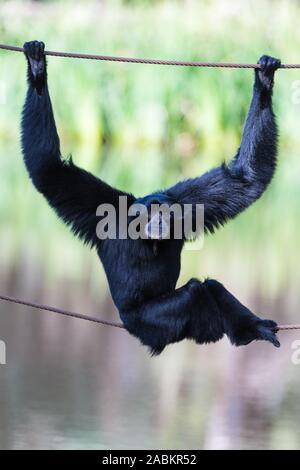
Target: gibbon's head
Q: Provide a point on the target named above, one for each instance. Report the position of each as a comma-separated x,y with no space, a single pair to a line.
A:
157,213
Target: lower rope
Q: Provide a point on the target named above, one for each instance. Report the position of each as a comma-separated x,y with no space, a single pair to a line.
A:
14,300
68,313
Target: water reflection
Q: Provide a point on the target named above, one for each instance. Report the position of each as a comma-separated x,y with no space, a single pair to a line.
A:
70,384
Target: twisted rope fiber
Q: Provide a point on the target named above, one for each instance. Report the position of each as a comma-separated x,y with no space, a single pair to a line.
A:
68,313
60,311
136,61
183,63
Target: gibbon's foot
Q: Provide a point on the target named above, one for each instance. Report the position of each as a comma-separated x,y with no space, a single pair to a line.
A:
240,324
265,74
258,330
34,52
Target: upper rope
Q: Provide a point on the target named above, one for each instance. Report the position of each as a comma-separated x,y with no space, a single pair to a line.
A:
183,63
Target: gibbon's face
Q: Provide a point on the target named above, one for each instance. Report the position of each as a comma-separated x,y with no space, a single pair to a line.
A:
155,216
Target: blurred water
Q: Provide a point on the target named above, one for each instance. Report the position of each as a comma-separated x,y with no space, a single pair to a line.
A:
70,384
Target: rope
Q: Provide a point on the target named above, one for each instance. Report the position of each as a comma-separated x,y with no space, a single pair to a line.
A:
60,311
184,63
287,327
94,319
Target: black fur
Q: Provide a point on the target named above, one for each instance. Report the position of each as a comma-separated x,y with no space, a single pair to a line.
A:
142,279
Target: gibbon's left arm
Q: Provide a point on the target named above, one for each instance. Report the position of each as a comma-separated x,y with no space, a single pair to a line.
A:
226,191
74,193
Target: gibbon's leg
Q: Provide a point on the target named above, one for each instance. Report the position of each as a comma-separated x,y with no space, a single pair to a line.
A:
203,312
